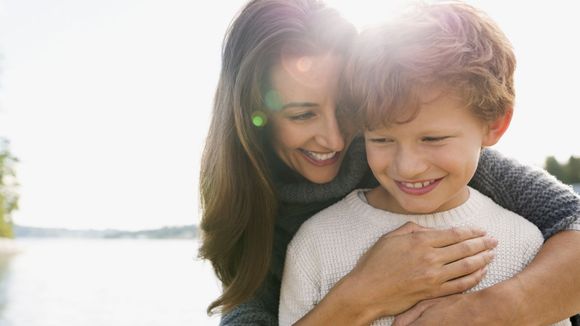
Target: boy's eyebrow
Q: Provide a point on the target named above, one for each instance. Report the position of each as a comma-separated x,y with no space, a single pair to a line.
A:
299,104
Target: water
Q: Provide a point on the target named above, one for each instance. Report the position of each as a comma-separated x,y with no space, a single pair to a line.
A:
106,282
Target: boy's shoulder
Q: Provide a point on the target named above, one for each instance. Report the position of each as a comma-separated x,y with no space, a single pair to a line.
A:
336,218
339,213
496,217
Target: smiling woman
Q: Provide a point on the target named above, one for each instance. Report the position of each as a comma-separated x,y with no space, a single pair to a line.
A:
306,135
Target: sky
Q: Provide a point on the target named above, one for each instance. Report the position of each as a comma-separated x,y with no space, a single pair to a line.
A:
107,102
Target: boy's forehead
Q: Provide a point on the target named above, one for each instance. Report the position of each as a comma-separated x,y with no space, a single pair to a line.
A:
429,93
425,96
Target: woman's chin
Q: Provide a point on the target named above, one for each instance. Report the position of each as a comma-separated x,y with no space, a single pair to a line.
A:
321,178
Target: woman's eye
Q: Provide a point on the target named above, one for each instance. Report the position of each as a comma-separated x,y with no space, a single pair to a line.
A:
302,116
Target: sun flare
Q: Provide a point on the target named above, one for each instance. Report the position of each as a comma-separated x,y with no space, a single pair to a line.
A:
364,13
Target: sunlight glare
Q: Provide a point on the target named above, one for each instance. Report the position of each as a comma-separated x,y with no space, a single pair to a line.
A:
364,13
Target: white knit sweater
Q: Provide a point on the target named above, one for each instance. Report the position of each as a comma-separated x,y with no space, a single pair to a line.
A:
329,244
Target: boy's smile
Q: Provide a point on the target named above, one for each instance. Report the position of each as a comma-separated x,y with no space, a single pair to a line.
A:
424,165
418,187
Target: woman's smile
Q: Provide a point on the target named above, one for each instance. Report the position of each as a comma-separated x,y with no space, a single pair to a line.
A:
321,159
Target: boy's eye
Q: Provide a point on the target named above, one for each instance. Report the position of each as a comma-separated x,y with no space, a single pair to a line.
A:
380,140
434,139
301,116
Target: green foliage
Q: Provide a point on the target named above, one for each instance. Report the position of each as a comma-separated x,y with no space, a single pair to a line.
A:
554,168
568,173
573,169
8,186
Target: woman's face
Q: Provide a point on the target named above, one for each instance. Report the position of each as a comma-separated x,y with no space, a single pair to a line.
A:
306,134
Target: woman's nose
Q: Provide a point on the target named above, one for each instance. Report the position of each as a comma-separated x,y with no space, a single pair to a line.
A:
330,135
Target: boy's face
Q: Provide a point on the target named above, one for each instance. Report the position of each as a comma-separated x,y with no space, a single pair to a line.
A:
425,164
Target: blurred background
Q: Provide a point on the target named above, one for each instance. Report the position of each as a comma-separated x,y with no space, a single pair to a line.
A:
104,107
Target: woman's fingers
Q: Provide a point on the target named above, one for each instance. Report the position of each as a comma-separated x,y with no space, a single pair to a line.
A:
420,263
406,228
460,284
409,316
467,265
467,248
447,237
440,238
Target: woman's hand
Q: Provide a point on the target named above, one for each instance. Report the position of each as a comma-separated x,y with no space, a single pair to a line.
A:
545,292
414,263
403,267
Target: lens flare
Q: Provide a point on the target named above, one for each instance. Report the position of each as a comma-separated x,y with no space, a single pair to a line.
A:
304,64
259,119
273,100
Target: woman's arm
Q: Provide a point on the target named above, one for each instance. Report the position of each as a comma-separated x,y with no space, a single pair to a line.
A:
261,310
547,291
405,266
355,299
549,288
252,312
527,191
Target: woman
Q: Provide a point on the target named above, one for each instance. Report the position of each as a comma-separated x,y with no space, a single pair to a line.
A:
278,151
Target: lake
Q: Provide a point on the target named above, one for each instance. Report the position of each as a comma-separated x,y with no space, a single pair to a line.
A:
106,282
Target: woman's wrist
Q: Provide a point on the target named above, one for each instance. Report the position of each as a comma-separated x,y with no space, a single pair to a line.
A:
343,305
503,303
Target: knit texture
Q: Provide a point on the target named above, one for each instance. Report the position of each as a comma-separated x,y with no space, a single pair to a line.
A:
528,191
574,226
553,207
328,246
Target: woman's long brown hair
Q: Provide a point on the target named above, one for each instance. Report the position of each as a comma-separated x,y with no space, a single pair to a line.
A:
238,199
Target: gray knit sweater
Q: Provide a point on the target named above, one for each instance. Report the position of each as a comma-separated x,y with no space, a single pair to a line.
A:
527,191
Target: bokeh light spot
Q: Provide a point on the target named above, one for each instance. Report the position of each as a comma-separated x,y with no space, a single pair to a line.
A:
259,119
273,100
304,64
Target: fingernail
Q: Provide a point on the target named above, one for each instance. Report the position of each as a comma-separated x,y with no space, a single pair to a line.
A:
492,241
490,254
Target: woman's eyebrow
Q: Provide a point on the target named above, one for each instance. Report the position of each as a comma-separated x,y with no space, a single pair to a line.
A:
299,104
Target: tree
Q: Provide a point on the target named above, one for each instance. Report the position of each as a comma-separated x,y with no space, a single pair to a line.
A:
555,169
573,170
568,173
8,187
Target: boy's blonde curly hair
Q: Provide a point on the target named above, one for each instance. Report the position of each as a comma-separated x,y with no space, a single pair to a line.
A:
448,45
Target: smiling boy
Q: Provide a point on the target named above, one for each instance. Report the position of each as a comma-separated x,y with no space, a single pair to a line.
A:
431,90
425,164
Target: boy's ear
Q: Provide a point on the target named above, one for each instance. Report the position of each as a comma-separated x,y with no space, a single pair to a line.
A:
497,128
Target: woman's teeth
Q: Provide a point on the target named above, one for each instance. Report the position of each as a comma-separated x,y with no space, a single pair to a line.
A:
321,157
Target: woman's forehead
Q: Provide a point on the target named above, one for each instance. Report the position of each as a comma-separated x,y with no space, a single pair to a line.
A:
311,70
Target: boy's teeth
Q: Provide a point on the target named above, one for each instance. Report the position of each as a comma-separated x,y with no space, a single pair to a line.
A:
321,157
417,185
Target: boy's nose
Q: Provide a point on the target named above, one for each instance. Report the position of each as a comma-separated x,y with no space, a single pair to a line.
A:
410,164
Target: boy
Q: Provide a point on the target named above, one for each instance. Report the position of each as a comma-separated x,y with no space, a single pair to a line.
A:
431,90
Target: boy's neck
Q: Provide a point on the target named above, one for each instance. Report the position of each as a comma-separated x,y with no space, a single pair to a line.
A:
380,198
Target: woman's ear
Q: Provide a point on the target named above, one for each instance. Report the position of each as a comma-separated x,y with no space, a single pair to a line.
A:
497,128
